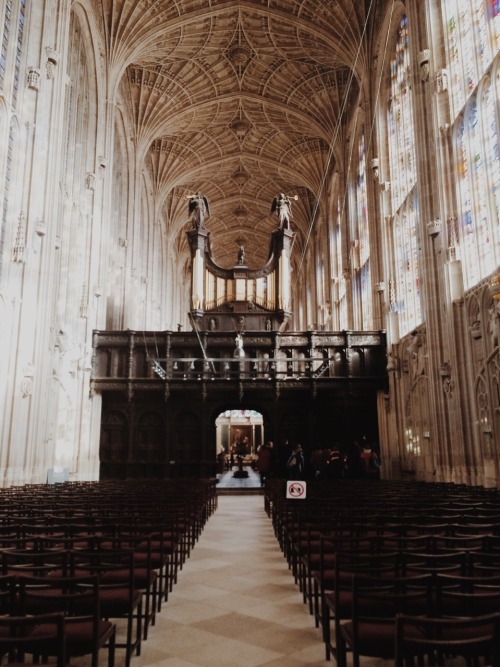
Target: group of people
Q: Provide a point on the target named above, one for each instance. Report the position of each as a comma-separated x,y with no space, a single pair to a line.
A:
360,460
269,465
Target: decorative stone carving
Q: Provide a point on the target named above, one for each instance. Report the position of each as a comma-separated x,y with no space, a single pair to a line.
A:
423,58
102,165
448,386
417,354
494,323
19,247
33,78
84,302
375,169
52,61
445,369
392,363
27,381
40,227
475,330
441,81
90,181
64,370
434,228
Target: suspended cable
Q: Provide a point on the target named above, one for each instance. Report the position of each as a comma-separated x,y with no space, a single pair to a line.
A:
379,86
344,198
203,351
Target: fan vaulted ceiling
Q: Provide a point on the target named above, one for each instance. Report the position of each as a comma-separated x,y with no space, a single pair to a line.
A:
241,101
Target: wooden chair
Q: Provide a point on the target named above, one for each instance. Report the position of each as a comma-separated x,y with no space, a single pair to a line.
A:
118,595
78,599
40,635
337,603
34,562
375,604
7,594
145,577
323,579
432,640
466,596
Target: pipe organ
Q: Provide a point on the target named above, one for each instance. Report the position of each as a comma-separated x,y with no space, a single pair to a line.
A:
240,298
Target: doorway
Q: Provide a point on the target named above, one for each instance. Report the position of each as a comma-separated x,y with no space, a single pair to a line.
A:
239,432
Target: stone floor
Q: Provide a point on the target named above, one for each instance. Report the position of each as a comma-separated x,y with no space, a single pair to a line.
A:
235,604
227,480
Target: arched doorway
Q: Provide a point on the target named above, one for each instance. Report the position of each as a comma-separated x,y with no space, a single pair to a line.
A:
239,432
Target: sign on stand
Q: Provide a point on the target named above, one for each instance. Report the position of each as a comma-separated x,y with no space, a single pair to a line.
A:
295,490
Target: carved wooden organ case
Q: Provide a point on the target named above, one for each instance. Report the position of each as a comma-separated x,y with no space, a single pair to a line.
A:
239,298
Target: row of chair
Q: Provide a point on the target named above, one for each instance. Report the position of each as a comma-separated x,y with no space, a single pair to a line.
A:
350,532
417,616
93,554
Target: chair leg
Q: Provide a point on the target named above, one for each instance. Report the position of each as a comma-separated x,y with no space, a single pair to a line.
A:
111,649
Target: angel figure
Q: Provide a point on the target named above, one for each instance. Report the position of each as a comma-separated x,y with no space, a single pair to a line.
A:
282,206
198,210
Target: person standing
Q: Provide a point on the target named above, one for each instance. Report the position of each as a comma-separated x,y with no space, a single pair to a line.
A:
265,461
295,463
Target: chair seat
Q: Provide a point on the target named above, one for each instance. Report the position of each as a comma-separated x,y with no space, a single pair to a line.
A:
374,639
79,636
115,602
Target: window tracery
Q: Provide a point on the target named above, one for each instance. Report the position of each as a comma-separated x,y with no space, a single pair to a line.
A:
363,236
404,200
478,170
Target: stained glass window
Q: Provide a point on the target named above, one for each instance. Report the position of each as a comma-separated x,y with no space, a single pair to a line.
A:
7,17
363,238
494,16
19,46
400,120
492,157
478,183
402,162
472,29
340,283
408,287
472,41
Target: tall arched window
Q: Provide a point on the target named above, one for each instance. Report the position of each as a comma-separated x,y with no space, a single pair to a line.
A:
12,30
339,290
12,35
363,237
472,44
478,184
404,203
472,29
404,234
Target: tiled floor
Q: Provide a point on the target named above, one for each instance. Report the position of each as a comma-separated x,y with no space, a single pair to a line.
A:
235,603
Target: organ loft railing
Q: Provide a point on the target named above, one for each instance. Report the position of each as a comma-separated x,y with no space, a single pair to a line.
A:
134,361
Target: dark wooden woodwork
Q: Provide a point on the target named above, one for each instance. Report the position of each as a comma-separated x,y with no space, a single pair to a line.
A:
162,392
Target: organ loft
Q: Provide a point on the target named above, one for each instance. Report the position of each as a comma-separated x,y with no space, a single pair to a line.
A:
239,353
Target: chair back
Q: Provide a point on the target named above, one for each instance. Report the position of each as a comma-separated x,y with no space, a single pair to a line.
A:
41,635
471,638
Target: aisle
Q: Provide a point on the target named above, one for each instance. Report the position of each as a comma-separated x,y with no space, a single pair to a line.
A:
235,602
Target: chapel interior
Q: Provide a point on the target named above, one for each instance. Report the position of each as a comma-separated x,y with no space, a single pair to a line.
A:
153,297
